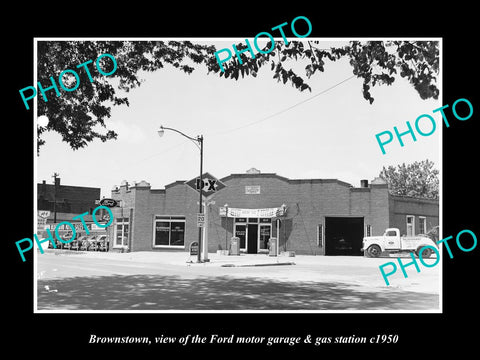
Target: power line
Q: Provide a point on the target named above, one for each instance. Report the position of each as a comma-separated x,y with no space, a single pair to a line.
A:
287,109
250,124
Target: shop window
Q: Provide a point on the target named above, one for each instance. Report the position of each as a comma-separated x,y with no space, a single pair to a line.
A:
169,231
368,230
410,225
264,236
320,235
121,232
422,225
241,233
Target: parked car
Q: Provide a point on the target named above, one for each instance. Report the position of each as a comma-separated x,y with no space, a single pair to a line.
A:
340,244
66,237
102,242
98,243
80,244
92,243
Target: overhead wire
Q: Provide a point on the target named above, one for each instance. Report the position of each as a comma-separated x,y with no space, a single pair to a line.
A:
286,109
254,122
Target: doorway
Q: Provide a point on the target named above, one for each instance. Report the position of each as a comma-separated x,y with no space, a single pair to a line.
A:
254,234
343,235
252,238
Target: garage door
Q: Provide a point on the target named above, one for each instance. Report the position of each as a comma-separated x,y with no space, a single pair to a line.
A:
343,235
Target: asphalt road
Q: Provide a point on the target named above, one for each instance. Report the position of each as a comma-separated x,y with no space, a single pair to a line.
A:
145,282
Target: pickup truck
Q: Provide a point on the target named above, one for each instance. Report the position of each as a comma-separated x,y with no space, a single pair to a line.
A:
391,242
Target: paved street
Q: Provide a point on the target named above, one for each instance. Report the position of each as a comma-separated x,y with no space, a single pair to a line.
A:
165,281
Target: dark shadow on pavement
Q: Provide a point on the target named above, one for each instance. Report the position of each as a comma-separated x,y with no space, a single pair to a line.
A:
157,292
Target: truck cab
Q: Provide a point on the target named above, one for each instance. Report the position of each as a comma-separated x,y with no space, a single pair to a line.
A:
392,242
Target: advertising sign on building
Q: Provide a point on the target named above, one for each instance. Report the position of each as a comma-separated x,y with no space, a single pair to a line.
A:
253,213
41,223
43,213
78,227
252,190
108,202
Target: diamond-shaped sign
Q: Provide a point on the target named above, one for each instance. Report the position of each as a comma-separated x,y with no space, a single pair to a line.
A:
210,184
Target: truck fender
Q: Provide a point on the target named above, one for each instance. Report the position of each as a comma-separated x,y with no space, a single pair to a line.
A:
368,247
427,252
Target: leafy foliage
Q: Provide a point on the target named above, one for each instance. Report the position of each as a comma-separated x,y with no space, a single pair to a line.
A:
376,62
418,179
79,116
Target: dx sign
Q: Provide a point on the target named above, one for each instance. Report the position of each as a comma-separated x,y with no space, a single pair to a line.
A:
206,184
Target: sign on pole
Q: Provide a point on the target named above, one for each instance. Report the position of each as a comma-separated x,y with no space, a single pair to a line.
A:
200,220
108,202
208,186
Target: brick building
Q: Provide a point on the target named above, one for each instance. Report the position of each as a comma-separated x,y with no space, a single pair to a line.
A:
314,216
66,198
64,202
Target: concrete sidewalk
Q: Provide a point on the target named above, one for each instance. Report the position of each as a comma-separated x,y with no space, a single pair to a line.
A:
181,258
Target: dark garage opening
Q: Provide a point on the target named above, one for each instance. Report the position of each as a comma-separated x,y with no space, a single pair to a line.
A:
343,235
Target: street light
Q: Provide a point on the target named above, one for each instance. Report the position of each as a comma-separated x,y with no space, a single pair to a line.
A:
226,224
198,141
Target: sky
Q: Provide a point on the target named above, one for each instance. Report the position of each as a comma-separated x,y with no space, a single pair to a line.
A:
331,135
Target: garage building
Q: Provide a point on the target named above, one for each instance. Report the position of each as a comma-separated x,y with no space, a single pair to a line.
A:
308,216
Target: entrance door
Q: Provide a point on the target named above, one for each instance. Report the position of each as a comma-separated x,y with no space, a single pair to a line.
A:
252,238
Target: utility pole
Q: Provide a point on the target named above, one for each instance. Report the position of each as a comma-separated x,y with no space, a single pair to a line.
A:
55,175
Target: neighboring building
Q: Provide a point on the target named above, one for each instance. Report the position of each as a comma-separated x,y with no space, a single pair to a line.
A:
64,202
314,216
66,198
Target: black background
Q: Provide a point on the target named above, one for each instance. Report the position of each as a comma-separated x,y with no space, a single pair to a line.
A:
59,335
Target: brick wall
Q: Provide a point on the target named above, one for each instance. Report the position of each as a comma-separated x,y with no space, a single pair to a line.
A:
70,199
308,203
403,206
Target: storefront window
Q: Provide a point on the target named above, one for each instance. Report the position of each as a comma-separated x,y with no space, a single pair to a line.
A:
169,231
240,232
121,232
422,225
410,225
368,230
265,233
320,235
162,233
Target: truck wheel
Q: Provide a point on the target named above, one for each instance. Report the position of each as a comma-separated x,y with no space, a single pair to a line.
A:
426,253
374,251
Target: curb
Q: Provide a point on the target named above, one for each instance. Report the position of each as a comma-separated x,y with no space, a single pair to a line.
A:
245,265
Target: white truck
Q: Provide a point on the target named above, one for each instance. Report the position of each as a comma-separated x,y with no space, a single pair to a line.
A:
391,242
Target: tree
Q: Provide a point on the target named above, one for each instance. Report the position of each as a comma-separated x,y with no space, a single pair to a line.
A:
418,179
376,62
79,116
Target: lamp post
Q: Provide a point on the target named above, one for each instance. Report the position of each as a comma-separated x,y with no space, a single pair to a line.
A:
199,142
226,224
